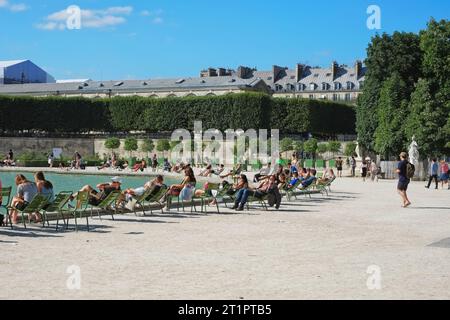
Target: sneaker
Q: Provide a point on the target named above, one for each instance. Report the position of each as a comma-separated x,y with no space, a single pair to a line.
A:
241,208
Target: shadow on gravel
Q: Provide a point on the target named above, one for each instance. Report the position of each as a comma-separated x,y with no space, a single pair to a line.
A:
444,243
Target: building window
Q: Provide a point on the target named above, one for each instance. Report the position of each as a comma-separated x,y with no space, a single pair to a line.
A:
348,97
337,86
324,86
349,85
312,86
301,87
311,96
335,97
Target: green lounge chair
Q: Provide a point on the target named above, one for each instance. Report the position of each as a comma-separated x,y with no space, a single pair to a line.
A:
147,197
79,210
213,188
6,198
57,207
289,192
35,206
109,204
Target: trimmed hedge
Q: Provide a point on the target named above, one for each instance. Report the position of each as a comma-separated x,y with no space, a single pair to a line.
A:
54,114
119,114
296,115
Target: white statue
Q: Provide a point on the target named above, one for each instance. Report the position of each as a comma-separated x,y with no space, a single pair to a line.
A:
414,152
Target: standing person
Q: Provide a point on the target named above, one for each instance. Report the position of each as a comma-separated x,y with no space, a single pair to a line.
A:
353,165
339,165
434,170
444,174
403,180
364,170
50,160
373,171
154,162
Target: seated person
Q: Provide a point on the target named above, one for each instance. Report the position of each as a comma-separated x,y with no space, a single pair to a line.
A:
311,179
207,171
233,173
294,180
266,187
26,191
167,165
141,165
189,180
96,197
107,164
219,170
328,175
153,185
264,172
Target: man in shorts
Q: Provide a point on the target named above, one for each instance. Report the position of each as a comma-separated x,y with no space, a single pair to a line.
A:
339,164
403,180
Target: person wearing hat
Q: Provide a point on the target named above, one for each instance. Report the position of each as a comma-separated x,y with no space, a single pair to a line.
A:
403,180
96,197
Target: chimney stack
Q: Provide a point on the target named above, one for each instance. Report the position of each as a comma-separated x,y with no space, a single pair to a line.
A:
244,72
358,69
299,68
334,69
276,70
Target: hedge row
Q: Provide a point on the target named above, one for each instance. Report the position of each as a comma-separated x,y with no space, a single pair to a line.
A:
244,111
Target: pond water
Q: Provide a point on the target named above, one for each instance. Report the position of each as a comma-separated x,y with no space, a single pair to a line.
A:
74,182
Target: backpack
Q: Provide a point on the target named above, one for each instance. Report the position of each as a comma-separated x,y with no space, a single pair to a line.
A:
410,170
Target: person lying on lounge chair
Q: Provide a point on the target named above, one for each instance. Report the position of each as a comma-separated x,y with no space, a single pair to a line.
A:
153,185
96,197
310,180
294,180
327,176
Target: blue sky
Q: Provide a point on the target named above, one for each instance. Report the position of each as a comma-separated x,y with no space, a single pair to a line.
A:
130,39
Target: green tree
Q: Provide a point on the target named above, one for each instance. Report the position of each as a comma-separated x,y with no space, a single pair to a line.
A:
426,121
148,146
350,149
310,147
387,55
286,144
392,111
112,144
163,145
334,147
130,145
430,103
298,146
322,148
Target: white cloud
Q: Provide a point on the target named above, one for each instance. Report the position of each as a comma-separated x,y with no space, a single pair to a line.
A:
158,20
89,18
14,7
18,7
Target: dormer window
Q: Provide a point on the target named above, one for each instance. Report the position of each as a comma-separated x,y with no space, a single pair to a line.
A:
324,86
349,85
312,86
337,86
301,87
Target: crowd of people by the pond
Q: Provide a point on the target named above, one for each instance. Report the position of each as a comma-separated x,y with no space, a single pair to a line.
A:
268,182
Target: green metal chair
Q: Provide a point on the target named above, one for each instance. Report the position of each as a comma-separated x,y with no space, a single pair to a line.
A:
35,206
147,197
79,210
57,207
156,198
108,204
6,198
212,188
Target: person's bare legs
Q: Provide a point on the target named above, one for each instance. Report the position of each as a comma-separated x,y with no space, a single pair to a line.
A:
404,197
